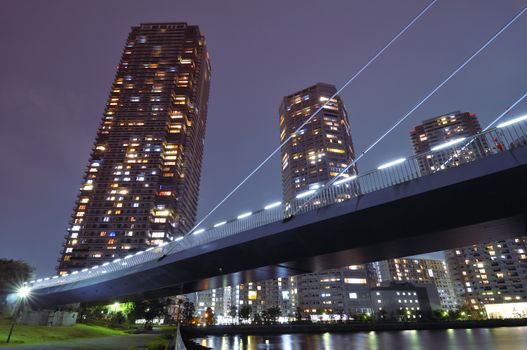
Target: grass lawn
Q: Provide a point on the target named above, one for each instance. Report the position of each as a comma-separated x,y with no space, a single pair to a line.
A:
37,334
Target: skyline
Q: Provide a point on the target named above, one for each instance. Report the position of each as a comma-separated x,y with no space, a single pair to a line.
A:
72,143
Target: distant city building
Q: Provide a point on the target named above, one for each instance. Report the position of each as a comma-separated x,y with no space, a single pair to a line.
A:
142,181
334,293
320,150
451,127
492,277
259,296
404,301
417,271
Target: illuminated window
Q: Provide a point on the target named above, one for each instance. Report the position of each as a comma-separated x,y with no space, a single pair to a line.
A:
355,280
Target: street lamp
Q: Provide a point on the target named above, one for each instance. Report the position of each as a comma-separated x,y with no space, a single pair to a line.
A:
21,295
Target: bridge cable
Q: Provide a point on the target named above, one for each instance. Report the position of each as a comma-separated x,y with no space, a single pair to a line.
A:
317,111
507,110
498,33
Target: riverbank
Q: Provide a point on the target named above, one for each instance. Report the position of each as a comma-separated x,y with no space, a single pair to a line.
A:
192,332
23,334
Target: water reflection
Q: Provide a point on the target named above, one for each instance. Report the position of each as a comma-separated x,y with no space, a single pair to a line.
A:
513,338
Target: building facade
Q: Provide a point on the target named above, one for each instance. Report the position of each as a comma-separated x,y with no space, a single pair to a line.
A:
492,278
451,127
335,293
259,296
404,301
142,181
322,148
417,271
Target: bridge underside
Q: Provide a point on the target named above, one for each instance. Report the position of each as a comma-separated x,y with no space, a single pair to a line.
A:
478,202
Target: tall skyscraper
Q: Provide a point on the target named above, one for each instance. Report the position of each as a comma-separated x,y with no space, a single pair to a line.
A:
438,130
316,153
142,181
321,149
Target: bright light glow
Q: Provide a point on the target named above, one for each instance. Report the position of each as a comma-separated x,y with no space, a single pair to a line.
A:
128,256
149,249
244,215
512,121
272,205
344,180
448,144
106,264
84,270
178,239
392,163
197,232
116,260
139,253
95,267
220,224
305,194
75,272
23,292
163,244
54,277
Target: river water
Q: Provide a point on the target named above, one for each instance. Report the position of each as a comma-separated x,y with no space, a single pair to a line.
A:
511,338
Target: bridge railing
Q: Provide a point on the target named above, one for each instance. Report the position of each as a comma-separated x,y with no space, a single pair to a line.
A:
452,154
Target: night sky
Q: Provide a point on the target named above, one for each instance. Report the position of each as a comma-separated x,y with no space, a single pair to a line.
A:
58,60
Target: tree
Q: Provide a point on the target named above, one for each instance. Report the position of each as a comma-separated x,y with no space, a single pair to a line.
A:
382,315
257,318
270,315
148,310
274,313
12,274
233,312
188,313
298,314
245,312
209,317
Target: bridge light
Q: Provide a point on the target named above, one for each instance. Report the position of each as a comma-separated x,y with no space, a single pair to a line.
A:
512,121
84,270
305,194
46,279
75,272
162,244
95,267
23,292
128,256
116,260
344,180
39,280
244,215
448,144
220,224
390,164
178,239
149,249
106,264
197,232
54,277
272,205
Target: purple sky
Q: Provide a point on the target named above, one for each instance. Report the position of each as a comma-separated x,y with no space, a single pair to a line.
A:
58,59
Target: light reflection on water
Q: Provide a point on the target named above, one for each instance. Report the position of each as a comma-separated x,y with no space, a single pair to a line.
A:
513,338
